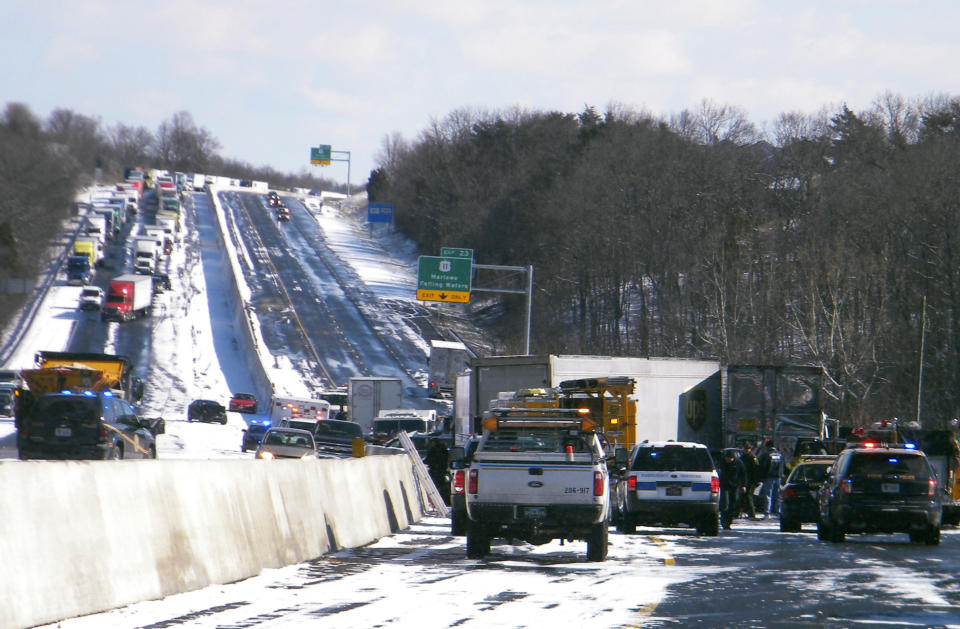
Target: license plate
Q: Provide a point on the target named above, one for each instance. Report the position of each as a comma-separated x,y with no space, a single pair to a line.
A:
535,513
62,431
674,491
890,488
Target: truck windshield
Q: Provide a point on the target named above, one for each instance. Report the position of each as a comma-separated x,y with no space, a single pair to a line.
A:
337,429
393,426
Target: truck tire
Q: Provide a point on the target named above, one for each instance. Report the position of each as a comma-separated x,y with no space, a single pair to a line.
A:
823,533
597,542
837,536
790,526
478,541
458,526
709,526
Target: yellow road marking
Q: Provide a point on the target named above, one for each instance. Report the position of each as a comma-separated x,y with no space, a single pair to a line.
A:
647,610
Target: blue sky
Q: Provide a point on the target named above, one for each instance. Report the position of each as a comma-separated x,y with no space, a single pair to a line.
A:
271,79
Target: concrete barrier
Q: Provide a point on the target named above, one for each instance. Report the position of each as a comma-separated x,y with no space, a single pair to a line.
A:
82,537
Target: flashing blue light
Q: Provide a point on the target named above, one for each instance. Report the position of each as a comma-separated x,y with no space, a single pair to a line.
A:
108,394
910,446
66,392
89,394
653,455
893,460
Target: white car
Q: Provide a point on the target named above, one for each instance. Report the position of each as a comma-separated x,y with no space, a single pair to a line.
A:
91,298
287,443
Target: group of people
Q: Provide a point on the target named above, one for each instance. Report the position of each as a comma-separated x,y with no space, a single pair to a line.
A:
741,474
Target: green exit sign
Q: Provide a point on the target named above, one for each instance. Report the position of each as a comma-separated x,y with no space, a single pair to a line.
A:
320,155
444,279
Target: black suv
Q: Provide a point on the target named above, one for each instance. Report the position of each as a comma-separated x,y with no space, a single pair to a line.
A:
86,426
880,490
206,411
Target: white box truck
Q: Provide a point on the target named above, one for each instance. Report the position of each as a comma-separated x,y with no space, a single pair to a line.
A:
660,383
369,395
447,360
97,228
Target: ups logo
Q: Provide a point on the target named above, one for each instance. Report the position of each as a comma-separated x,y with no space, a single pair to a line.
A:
695,408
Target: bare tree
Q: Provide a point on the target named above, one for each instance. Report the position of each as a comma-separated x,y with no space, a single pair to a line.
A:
181,145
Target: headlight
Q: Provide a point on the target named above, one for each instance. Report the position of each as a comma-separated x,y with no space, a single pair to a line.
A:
264,454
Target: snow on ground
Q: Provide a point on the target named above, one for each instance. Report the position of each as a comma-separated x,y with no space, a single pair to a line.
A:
193,352
385,260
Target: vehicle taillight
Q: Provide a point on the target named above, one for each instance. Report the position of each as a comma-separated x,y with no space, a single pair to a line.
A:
846,485
474,482
714,485
458,481
789,492
102,432
632,483
599,482
931,487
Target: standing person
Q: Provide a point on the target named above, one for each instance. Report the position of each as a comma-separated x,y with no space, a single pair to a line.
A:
438,460
733,480
752,466
770,467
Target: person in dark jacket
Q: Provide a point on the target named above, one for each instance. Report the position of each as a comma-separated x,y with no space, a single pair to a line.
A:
770,471
438,460
752,467
733,481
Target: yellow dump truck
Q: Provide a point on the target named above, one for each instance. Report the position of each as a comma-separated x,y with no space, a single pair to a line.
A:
83,371
86,247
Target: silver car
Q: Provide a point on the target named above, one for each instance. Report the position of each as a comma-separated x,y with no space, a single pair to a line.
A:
287,443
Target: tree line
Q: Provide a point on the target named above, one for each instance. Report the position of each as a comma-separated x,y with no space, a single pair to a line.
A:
45,162
829,239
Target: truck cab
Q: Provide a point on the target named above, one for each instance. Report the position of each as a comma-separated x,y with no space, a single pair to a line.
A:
78,270
538,475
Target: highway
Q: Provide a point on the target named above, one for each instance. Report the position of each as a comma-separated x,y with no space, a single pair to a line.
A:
751,576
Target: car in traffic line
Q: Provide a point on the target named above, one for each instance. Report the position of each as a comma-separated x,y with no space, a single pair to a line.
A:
335,435
91,298
799,492
206,411
287,443
253,435
666,483
243,403
872,489
86,426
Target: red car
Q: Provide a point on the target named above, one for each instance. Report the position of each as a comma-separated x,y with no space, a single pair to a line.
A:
243,403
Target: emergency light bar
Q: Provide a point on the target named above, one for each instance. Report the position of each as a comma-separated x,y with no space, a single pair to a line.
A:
539,418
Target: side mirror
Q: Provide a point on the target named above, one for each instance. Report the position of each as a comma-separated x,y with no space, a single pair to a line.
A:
620,457
457,454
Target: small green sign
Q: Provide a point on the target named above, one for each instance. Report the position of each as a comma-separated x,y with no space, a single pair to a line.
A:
451,252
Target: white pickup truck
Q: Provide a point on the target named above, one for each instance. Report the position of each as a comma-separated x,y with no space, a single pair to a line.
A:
538,475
